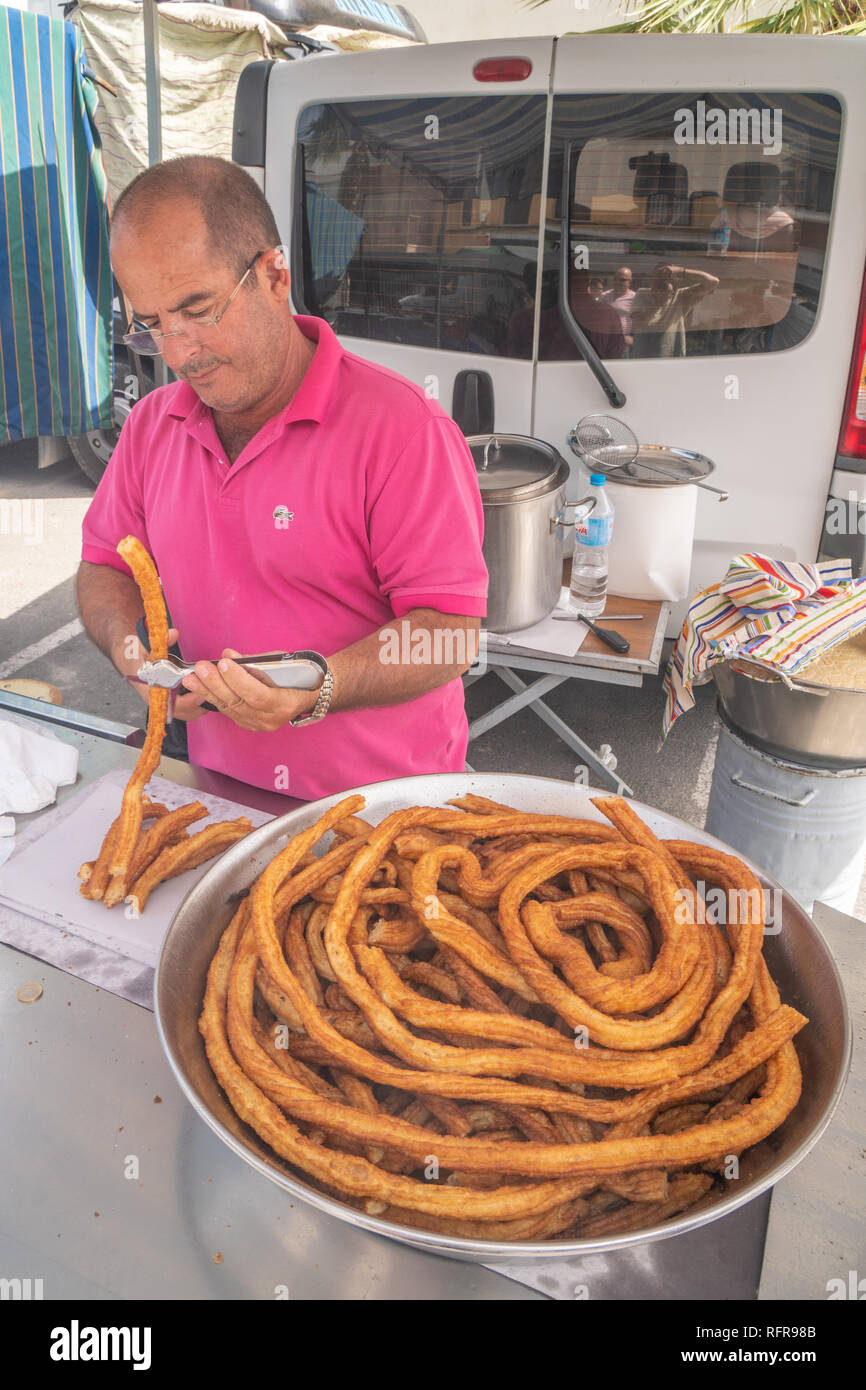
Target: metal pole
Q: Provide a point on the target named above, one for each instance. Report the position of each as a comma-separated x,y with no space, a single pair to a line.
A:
150,19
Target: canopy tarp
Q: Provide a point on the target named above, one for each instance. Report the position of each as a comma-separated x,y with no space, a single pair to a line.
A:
203,49
55,275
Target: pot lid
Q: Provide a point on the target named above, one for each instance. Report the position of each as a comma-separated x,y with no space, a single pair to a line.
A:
658,465
515,467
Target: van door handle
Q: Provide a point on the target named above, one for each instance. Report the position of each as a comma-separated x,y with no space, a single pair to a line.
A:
472,401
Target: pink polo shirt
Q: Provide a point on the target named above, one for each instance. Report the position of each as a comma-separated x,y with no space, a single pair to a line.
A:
356,503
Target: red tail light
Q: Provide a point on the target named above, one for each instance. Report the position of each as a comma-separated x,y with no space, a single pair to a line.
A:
852,440
502,69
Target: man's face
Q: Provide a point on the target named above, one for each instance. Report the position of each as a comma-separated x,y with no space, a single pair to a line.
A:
663,280
173,281
622,281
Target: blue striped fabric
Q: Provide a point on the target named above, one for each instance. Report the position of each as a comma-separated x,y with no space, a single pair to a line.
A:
334,233
55,276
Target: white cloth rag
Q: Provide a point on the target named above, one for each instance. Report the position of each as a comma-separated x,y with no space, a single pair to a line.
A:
33,764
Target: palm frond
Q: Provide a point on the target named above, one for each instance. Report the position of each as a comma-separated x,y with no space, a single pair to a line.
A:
720,16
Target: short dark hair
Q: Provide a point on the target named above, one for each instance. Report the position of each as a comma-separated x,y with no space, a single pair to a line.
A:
235,211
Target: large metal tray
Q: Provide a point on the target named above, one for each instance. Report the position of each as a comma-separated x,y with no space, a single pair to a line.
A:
798,957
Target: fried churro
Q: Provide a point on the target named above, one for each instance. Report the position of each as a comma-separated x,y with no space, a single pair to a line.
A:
445,1068
131,863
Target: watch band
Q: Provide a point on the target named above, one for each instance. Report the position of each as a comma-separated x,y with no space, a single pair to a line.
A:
326,690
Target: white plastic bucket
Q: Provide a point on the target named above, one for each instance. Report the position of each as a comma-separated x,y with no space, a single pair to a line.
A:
653,532
806,827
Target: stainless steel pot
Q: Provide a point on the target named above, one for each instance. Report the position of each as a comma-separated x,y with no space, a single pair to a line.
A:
812,724
522,482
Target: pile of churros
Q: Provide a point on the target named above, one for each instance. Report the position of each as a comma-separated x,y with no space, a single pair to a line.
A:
133,861
499,1025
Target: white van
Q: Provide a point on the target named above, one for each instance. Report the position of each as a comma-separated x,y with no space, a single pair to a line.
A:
425,193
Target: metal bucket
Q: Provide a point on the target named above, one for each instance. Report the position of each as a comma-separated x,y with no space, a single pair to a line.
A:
805,826
650,554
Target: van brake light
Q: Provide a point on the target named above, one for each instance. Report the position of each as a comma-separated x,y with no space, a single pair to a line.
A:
852,440
501,69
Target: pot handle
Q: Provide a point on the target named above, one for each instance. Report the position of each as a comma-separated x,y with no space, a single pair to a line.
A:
778,674
561,521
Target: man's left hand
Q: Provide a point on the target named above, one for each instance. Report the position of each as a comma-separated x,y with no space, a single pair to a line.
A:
245,699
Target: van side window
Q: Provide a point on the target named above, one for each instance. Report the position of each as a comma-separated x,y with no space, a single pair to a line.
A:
421,220
701,219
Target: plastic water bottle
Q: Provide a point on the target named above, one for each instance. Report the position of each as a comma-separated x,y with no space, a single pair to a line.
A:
592,535
720,235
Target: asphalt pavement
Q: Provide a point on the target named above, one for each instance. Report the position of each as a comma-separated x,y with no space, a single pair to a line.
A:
41,637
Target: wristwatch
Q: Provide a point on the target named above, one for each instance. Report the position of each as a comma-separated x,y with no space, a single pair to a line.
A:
326,690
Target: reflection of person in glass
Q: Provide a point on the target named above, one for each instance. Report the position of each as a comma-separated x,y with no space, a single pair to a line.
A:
753,226
620,298
659,313
600,322
750,216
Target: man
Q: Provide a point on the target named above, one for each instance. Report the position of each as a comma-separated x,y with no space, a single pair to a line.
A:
658,314
620,298
294,496
599,321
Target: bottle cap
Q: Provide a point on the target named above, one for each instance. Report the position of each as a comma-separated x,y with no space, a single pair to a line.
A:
597,479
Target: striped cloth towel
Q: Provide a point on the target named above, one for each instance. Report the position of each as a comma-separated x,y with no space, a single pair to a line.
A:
55,277
782,615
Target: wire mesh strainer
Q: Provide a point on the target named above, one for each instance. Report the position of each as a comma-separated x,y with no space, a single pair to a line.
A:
607,442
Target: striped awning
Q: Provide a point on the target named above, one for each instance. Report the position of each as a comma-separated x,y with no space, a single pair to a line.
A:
509,130
55,276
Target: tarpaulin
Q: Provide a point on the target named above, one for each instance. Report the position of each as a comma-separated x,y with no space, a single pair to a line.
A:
55,275
203,49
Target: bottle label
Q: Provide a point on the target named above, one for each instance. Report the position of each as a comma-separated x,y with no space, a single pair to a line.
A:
594,530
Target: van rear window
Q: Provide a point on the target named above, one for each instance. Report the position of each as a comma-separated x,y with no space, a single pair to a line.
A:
421,219
699,221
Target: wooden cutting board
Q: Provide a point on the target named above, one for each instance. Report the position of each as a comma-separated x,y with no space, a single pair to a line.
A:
640,635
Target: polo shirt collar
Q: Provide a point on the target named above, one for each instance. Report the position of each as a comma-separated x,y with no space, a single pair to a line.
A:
310,401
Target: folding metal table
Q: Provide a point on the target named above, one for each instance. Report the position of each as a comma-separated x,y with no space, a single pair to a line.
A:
594,662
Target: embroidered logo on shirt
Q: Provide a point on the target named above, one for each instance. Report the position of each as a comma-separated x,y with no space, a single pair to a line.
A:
282,517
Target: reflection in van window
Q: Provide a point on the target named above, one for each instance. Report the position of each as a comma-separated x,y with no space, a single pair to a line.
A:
700,219
422,219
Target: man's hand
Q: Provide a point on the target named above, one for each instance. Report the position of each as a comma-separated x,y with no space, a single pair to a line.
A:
110,607
366,674
248,701
131,655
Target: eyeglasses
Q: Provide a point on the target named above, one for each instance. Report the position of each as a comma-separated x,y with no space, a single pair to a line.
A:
149,344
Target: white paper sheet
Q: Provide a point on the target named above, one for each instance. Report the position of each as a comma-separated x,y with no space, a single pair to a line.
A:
42,881
548,636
